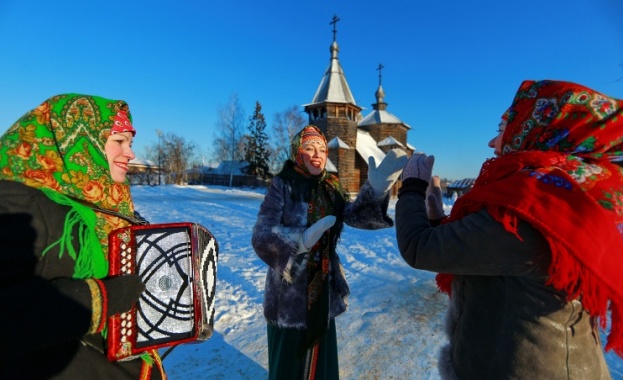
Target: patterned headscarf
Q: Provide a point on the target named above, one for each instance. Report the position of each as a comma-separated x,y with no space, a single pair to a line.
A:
308,135
59,148
122,123
555,173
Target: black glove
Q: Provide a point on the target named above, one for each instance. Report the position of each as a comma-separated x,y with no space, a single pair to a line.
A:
122,292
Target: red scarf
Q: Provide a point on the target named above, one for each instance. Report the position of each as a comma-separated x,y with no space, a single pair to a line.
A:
555,173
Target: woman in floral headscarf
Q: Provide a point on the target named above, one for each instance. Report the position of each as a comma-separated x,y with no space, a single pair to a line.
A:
63,188
296,234
531,256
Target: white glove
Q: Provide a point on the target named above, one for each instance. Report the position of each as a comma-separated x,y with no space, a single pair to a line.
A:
383,178
419,166
309,237
312,234
434,200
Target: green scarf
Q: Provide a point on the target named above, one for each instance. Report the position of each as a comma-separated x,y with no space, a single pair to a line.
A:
58,148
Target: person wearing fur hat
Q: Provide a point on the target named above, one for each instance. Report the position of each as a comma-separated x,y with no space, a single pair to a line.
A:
531,255
297,230
63,189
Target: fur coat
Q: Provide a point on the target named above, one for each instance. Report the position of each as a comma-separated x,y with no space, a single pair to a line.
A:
276,237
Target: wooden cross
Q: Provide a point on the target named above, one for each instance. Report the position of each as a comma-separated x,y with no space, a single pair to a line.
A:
334,22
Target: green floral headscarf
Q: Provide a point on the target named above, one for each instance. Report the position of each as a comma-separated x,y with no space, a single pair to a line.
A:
59,148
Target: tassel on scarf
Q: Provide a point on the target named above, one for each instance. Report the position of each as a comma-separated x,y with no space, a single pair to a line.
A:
90,261
568,275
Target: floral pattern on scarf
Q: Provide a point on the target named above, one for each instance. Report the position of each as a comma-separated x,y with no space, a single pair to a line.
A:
60,146
555,172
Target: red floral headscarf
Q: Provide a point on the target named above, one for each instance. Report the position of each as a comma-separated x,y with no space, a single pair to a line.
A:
555,172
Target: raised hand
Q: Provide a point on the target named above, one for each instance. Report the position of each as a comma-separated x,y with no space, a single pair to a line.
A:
419,166
383,178
434,200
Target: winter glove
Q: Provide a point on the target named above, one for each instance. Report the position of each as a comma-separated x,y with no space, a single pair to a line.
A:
309,237
122,292
434,200
315,231
419,166
383,178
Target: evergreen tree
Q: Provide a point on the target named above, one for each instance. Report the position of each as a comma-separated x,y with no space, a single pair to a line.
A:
256,145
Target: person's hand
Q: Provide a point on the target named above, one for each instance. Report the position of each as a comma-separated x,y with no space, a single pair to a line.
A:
434,200
312,234
419,166
383,178
122,292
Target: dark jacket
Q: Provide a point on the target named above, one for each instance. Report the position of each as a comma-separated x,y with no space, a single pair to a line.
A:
276,236
503,321
44,312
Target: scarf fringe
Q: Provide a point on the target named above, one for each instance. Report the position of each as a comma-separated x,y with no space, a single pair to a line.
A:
568,274
90,260
444,283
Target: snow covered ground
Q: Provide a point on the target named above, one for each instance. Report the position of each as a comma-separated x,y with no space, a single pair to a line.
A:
392,330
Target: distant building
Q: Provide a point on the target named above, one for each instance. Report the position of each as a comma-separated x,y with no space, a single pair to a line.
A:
227,173
230,167
459,187
353,138
143,172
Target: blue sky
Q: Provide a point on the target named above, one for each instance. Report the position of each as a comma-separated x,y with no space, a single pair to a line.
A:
451,67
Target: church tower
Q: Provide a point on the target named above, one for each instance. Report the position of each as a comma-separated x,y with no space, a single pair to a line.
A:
385,128
334,111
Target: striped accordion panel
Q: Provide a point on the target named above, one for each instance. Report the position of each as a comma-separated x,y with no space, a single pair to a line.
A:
177,263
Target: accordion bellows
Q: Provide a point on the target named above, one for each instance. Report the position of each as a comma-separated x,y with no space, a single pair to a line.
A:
177,262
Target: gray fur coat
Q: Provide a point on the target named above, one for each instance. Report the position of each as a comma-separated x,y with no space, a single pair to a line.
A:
276,238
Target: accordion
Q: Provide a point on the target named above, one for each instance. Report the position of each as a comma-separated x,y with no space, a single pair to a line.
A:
177,263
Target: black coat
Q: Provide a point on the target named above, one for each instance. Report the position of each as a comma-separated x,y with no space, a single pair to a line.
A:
44,312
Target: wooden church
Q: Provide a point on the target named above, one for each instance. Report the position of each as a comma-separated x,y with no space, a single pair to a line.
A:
353,138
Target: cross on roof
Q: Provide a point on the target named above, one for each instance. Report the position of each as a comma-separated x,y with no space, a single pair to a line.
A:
380,68
334,22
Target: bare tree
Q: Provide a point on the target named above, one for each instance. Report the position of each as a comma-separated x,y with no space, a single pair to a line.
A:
228,144
178,155
174,155
286,125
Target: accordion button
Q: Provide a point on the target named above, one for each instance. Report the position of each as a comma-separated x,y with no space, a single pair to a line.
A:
124,331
